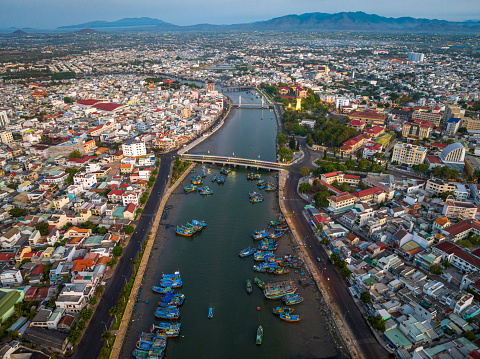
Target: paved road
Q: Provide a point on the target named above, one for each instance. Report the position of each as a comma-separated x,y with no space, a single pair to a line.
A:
91,344
336,285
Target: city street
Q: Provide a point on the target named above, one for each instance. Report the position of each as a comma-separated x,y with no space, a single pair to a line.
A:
337,287
91,344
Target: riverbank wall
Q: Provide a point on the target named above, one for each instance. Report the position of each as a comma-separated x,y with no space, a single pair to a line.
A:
122,331
342,331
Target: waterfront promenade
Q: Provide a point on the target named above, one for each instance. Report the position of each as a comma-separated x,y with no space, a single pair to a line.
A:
120,335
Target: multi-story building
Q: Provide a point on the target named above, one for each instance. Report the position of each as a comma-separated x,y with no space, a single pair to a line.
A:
453,124
453,111
472,125
415,57
416,131
368,117
74,297
340,178
6,137
210,86
11,277
457,256
457,209
433,117
341,203
3,119
438,186
134,149
407,154
341,101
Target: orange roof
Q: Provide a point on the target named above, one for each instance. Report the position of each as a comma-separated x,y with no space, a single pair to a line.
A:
126,165
114,238
79,230
81,264
442,221
75,240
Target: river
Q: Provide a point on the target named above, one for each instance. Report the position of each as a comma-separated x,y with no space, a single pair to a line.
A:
213,274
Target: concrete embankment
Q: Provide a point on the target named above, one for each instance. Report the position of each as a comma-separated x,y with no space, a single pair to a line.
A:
120,336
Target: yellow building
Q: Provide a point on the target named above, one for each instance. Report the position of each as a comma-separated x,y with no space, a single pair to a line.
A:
409,155
416,130
6,137
470,124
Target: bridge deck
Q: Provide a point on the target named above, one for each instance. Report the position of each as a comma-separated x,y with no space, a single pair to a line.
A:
236,161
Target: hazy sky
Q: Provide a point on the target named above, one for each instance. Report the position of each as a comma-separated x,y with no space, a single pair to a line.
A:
49,14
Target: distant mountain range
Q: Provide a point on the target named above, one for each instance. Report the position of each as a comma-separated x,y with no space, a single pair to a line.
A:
127,22
343,21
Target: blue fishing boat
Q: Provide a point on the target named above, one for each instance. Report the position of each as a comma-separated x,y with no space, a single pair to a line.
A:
220,180
259,337
225,171
205,191
260,256
151,341
261,267
280,310
190,188
214,178
173,283
210,313
161,290
249,286
168,329
260,234
253,194
167,313
175,275
290,317
247,252
150,354
291,299
256,199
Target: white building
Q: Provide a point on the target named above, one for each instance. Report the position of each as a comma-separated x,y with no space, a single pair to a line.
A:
416,57
341,101
10,277
134,149
74,297
86,180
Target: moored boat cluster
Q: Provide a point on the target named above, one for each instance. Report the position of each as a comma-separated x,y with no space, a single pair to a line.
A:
152,345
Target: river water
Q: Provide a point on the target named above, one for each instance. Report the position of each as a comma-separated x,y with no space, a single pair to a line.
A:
213,274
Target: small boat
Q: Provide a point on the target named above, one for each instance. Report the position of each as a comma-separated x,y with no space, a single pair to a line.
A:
214,178
210,313
292,299
175,275
150,354
190,188
247,252
205,191
225,171
259,268
167,313
279,290
260,234
260,182
260,283
253,194
220,180
280,310
162,290
151,341
204,175
279,270
171,283
256,199
168,329
289,317
259,338
260,256
249,286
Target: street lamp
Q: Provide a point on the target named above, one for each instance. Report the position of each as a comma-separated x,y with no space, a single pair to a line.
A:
125,277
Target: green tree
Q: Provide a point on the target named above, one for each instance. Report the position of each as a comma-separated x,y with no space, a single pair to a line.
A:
305,188
102,230
305,171
365,297
112,262
468,334
376,322
86,314
75,154
93,300
345,272
42,227
117,251
74,336
18,212
281,139
325,241
129,229
436,269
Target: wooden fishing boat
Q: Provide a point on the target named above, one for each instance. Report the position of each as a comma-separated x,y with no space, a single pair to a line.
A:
249,286
210,313
259,337
280,310
279,289
289,317
260,283
247,252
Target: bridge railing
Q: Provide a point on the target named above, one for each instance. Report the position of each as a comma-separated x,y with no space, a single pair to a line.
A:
231,160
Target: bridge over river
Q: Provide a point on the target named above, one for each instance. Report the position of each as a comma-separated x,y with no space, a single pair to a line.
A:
235,161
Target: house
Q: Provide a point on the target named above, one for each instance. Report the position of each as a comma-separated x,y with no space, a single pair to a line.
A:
130,197
74,297
10,238
78,232
129,212
49,339
441,223
341,203
458,209
11,277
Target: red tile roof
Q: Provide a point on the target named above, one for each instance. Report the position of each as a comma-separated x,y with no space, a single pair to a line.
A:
452,248
88,102
367,192
434,159
107,106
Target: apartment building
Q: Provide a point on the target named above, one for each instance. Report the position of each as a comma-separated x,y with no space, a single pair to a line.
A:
472,125
341,203
457,209
438,186
433,117
340,178
416,131
74,297
407,154
134,149
6,137
457,256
